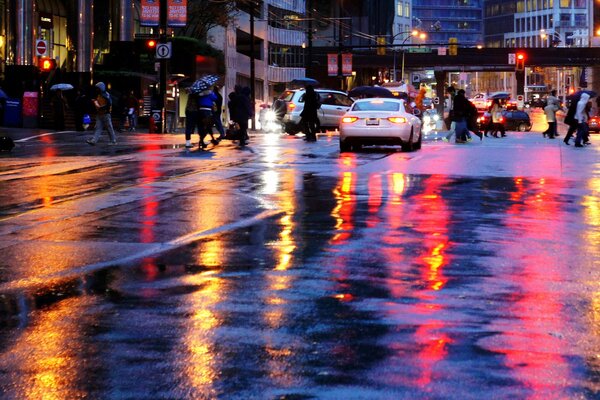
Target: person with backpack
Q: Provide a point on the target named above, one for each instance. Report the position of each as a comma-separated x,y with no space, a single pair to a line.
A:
103,104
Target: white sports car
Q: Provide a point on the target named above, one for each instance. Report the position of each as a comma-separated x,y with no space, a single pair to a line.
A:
379,121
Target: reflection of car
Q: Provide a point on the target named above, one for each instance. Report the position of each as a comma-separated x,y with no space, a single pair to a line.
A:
334,105
594,123
513,120
380,122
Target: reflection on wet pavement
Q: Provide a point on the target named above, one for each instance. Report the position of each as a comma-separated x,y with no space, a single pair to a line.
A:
350,284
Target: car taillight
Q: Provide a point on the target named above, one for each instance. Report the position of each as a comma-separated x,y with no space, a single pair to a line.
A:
349,120
291,107
397,120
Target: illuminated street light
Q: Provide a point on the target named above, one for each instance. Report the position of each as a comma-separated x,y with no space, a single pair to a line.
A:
413,33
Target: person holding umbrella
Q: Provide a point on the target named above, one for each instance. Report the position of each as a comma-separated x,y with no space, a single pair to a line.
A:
59,105
309,113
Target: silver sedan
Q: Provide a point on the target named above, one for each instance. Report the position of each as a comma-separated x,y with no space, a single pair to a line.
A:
380,121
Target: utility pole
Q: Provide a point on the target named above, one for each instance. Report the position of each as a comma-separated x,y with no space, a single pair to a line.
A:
252,66
340,32
308,62
163,67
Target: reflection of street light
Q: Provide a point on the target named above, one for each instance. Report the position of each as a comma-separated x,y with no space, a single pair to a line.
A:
413,33
421,35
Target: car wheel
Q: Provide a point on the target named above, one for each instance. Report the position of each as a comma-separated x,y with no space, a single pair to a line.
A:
408,146
419,142
522,127
344,147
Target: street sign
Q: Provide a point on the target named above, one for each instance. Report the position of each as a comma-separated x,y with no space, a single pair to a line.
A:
416,78
512,58
41,48
436,100
163,50
442,51
520,97
418,50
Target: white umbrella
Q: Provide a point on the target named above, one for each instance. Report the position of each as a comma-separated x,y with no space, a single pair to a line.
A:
61,86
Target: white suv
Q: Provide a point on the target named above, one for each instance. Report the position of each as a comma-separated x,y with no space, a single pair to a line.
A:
334,105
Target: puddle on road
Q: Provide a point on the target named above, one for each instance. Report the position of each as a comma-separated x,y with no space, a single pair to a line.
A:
418,286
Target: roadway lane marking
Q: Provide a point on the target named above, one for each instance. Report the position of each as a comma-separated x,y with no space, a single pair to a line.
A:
39,136
152,251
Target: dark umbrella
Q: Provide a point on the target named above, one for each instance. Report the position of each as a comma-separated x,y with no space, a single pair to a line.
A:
371,91
303,82
500,96
577,95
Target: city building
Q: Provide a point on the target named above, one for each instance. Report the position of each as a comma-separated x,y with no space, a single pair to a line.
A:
280,41
446,20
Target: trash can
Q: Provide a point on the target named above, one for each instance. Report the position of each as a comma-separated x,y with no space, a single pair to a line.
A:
12,113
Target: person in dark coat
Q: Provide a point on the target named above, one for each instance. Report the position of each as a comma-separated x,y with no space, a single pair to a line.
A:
240,110
309,113
460,116
217,110
59,104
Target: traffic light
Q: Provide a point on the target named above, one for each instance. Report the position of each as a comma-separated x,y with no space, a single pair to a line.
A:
520,62
381,45
452,46
151,44
46,64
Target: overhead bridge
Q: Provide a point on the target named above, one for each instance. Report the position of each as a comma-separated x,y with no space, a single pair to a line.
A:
468,59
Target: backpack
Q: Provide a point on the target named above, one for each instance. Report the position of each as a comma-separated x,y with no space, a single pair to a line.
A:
6,143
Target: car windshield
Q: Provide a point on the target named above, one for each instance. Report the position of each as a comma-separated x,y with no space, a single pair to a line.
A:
376,105
287,95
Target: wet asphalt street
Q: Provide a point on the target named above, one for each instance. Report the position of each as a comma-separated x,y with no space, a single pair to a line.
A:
288,271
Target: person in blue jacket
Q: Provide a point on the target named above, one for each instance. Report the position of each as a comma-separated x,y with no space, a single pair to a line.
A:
206,101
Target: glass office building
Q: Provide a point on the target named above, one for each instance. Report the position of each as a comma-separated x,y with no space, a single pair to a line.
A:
445,19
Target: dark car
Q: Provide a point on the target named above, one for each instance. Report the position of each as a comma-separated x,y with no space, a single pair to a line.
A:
513,120
594,123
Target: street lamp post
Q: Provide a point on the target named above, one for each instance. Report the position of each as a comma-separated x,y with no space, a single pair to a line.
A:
413,33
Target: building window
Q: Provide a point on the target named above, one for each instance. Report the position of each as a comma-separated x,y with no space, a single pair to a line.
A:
400,8
565,3
407,10
286,56
580,3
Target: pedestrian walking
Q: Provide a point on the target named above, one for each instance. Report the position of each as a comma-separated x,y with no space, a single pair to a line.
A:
132,104
496,126
460,115
552,106
240,110
59,106
571,122
582,116
448,121
206,101
103,105
191,118
309,115
217,112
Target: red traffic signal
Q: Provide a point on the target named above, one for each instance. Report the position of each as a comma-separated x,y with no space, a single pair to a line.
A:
151,43
46,64
520,63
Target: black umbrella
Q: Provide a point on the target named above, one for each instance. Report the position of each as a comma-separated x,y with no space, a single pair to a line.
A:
371,91
303,82
499,95
577,95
